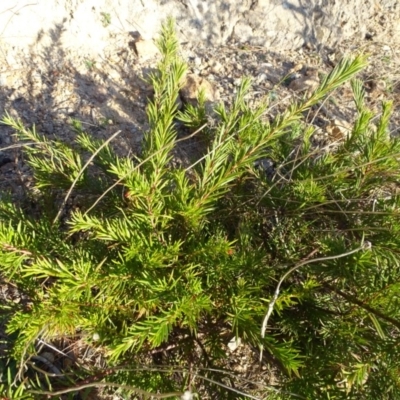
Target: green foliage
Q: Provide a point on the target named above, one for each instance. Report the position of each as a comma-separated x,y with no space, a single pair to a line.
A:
105,19
9,390
152,255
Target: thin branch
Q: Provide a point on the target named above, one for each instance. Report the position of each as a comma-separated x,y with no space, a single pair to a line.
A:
54,349
108,384
49,365
366,307
13,249
229,388
56,372
14,13
16,145
364,246
139,165
272,389
80,174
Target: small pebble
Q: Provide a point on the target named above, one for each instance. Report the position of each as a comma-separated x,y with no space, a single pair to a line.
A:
48,356
197,61
216,67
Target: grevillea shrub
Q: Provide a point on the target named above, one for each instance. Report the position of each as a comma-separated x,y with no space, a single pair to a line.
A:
140,255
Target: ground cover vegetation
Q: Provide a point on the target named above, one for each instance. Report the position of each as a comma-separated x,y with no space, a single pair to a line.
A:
138,253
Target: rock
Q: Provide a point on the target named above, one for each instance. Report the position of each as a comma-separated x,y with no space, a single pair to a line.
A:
307,83
197,61
216,67
338,130
266,165
243,32
192,87
238,67
188,395
375,88
146,49
234,343
261,78
10,79
48,356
